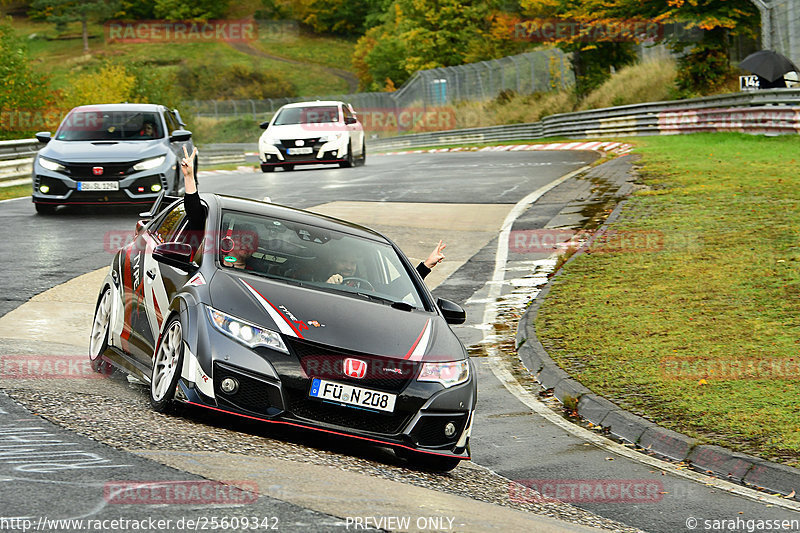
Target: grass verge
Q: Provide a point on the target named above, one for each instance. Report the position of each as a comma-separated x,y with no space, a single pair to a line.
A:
15,191
700,332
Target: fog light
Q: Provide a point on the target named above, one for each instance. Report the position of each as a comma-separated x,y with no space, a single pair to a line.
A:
229,386
449,429
155,187
44,189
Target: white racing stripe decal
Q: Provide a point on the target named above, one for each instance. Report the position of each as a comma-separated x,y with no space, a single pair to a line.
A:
421,346
281,321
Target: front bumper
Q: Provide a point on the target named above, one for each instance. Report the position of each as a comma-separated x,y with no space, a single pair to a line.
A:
274,155
273,388
135,188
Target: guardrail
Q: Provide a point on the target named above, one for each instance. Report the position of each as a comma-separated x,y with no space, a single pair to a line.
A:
16,158
774,111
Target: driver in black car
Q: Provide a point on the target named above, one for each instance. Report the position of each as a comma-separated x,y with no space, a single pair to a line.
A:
343,266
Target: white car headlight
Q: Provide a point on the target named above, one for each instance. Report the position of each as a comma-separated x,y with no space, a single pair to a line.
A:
270,140
448,374
50,165
328,137
147,164
244,332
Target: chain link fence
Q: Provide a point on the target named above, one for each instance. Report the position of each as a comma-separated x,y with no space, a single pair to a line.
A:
542,70
780,25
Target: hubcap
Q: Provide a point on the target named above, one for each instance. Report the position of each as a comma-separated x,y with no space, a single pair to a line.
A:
166,363
102,318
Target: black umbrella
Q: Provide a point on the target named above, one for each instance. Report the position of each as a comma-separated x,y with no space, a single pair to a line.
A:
768,64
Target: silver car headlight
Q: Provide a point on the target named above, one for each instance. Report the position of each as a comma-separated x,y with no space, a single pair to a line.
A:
448,374
147,164
244,332
50,164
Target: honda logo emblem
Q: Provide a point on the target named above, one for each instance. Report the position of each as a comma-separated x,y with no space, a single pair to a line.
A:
97,171
299,142
355,368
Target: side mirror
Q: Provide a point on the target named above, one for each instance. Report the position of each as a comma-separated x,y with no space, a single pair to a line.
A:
43,137
264,125
350,120
175,254
180,136
452,312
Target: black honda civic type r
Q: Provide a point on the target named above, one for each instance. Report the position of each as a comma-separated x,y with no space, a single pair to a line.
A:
367,354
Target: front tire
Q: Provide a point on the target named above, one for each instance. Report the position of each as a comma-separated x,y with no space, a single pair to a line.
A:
363,159
98,340
45,209
349,162
167,365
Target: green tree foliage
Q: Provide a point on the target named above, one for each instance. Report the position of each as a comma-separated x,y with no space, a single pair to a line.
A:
194,10
23,94
704,63
63,12
137,9
422,34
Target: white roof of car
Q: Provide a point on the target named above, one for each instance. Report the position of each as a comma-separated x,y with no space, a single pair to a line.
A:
314,103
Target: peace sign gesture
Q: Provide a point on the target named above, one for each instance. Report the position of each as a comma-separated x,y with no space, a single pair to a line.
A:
436,256
187,167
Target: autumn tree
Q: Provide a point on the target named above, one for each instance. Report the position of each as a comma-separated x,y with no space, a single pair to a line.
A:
63,12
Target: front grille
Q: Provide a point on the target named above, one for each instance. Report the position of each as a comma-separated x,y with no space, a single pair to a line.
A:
383,373
110,170
292,143
347,417
253,394
429,430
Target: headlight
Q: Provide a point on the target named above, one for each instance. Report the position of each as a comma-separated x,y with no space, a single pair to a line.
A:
245,332
448,374
270,140
50,165
328,137
147,164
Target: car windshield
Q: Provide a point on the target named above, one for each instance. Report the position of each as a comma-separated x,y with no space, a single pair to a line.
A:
315,257
106,125
307,115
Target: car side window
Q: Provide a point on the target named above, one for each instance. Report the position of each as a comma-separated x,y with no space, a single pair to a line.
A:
172,122
170,224
347,114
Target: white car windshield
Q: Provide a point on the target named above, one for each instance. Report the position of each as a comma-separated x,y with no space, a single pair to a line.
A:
307,115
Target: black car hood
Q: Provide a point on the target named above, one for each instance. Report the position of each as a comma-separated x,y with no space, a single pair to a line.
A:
336,320
102,151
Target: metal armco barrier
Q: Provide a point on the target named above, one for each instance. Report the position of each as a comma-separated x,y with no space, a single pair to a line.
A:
16,158
774,112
